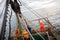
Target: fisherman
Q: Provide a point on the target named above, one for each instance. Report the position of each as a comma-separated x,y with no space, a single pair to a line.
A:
29,28
42,29
25,33
17,34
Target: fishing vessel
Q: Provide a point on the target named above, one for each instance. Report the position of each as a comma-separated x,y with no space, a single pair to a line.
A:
24,31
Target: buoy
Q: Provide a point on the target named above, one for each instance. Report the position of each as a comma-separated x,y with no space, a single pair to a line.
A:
42,29
16,32
25,33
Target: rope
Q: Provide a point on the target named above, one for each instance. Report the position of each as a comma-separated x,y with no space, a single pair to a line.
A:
3,29
19,24
10,23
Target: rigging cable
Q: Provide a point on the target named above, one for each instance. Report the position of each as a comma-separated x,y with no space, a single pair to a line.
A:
32,11
39,15
36,13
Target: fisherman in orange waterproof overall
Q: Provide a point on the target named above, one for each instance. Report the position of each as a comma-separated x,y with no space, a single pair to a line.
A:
42,29
17,34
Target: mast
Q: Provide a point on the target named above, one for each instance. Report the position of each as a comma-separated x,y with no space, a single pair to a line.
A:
3,29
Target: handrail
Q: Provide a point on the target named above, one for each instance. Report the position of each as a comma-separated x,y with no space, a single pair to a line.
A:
39,35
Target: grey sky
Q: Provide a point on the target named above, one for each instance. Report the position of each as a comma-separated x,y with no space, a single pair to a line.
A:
46,8
43,7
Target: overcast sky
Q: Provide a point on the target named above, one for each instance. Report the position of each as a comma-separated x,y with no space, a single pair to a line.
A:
44,8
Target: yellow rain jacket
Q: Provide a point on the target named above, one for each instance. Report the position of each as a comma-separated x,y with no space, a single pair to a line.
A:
25,33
